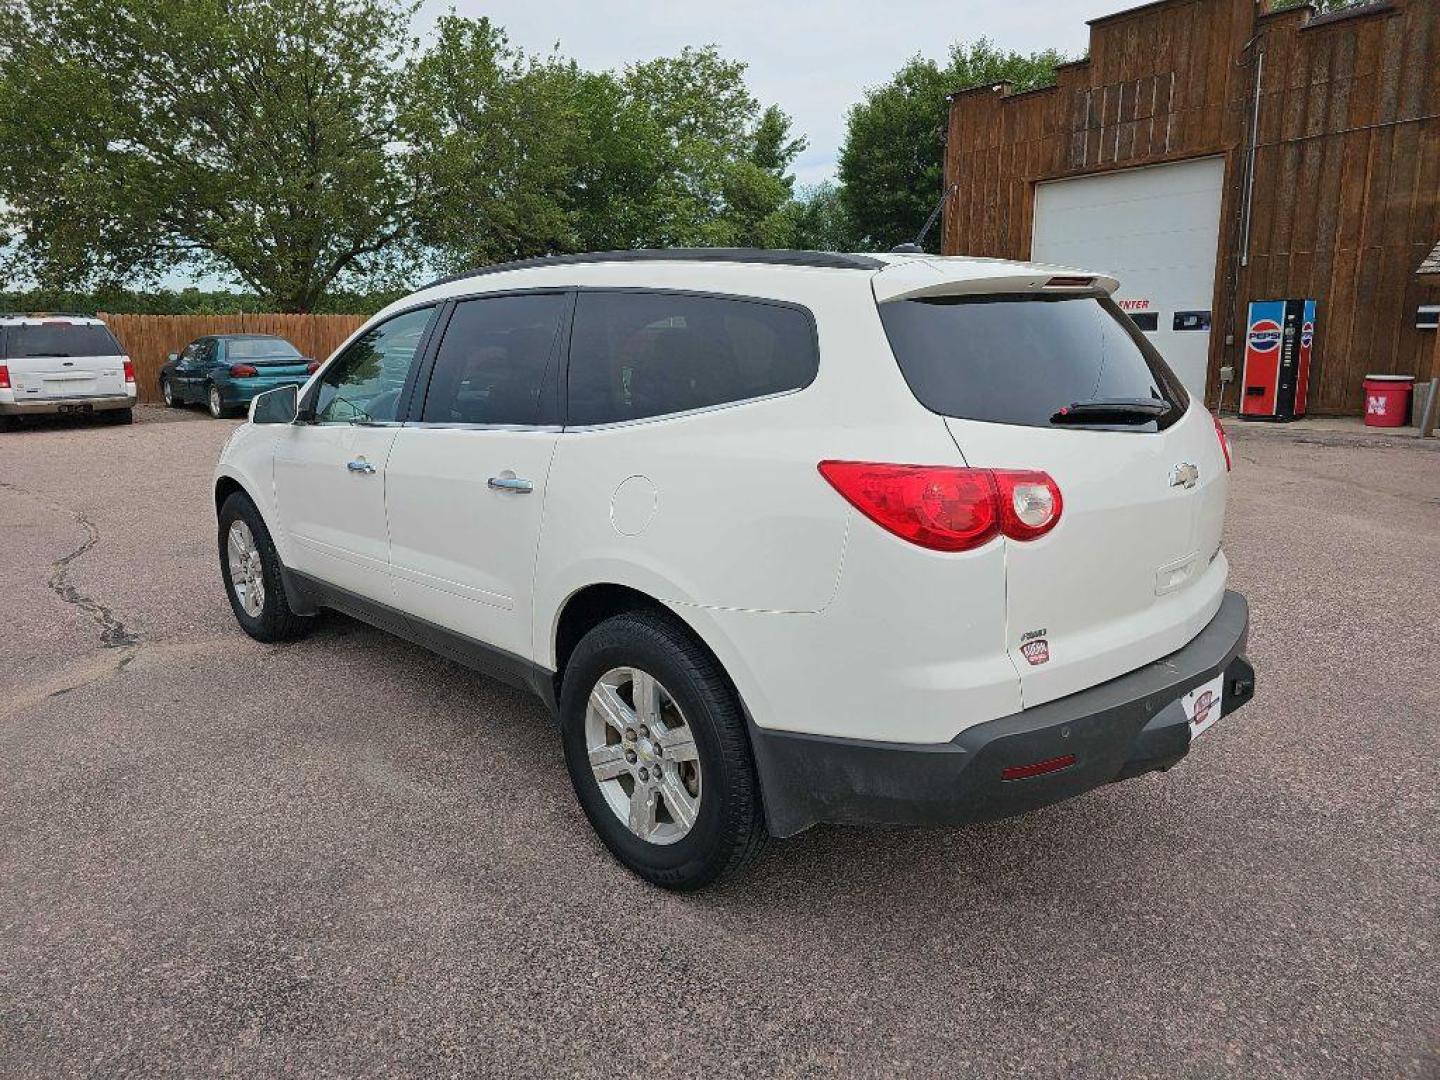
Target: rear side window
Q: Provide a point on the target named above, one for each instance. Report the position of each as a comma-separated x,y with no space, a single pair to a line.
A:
57,339
1021,359
639,354
492,361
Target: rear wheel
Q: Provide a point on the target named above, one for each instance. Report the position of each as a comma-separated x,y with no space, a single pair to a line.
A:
9,423
119,416
218,408
657,750
251,569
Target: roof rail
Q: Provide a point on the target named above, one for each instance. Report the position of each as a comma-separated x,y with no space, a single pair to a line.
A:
764,256
47,315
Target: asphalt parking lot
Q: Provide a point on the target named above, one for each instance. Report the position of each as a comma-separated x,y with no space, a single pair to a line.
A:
345,856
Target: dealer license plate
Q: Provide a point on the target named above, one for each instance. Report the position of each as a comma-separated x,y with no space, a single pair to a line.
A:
1202,705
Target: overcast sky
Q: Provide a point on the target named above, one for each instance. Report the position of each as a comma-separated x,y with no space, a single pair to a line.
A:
811,57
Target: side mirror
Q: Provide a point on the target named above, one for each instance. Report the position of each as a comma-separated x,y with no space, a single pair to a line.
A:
174,357
278,406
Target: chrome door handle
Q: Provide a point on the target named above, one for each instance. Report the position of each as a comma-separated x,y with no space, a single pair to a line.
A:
511,483
361,466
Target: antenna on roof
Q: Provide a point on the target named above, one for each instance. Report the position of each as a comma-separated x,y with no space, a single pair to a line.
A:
917,246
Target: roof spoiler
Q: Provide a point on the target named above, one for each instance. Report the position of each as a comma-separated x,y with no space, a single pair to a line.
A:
916,278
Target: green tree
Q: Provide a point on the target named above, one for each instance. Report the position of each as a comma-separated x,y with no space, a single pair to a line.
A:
245,138
816,219
891,163
518,155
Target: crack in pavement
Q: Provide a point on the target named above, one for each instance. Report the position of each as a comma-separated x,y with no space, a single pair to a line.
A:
114,634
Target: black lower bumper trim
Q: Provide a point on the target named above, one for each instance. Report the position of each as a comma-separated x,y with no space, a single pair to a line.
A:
1130,725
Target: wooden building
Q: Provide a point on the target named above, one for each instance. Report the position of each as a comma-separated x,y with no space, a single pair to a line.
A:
1213,142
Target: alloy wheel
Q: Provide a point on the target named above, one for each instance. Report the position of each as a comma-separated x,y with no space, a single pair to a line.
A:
217,409
246,572
166,392
643,755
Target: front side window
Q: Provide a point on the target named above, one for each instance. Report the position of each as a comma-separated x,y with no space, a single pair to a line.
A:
365,382
637,354
491,364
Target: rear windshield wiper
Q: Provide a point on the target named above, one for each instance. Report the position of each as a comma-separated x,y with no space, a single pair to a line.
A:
1112,411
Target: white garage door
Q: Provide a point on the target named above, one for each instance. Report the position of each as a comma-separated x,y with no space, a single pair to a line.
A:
1156,230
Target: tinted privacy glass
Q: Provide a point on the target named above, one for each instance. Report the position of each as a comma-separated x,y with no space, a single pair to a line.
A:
1020,360
60,339
490,368
365,381
260,349
634,355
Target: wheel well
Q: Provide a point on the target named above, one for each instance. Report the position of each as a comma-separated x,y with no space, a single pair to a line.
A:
588,608
593,604
224,488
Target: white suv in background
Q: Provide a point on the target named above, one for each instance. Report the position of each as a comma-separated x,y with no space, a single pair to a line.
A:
781,537
62,364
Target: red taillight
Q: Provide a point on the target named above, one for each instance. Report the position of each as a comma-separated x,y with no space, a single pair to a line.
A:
1040,768
129,371
1224,440
241,371
945,508
312,367
4,377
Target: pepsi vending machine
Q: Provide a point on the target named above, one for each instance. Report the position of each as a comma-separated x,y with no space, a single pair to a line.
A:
1278,342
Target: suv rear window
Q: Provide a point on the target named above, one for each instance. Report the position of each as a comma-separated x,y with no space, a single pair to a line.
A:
639,354
1021,359
57,339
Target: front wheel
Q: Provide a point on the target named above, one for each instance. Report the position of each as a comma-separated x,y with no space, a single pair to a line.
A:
167,391
657,750
251,569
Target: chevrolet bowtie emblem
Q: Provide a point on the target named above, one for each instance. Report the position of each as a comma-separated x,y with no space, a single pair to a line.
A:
1184,475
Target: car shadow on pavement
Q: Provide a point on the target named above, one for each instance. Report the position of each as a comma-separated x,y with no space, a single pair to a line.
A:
479,725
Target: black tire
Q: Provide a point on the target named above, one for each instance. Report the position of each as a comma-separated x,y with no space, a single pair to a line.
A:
276,620
119,416
167,393
218,409
9,423
729,828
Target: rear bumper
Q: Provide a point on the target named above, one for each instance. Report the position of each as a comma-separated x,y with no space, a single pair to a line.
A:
1130,725
50,406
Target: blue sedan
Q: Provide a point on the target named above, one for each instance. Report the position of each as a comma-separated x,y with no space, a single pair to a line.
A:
224,371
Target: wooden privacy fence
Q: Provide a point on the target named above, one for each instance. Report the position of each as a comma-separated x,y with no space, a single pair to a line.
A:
150,339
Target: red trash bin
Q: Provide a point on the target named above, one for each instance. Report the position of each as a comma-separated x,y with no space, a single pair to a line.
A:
1387,400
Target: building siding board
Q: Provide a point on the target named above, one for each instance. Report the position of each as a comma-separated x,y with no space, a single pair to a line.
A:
1340,206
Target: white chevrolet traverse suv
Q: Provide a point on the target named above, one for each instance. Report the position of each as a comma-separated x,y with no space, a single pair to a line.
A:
780,537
